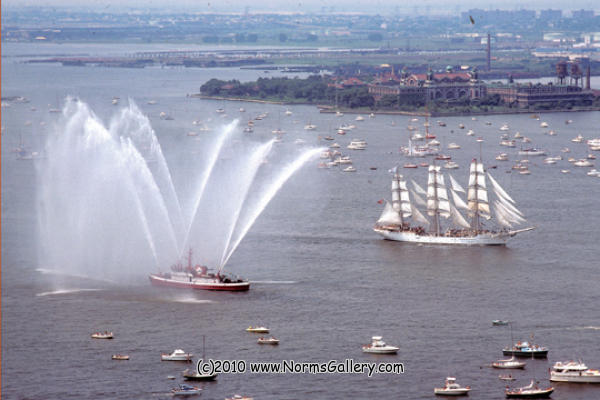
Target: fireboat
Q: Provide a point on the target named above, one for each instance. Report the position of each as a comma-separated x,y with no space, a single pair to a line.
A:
198,277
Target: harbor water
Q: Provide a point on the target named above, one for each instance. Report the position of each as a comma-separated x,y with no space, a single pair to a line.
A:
322,280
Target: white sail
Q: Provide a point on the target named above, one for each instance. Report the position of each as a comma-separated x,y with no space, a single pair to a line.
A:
389,216
442,193
418,217
508,214
418,199
457,217
482,195
444,208
501,219
458,202
500,192
455,185
418,188
509,206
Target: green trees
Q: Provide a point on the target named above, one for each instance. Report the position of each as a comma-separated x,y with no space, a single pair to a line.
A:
314,89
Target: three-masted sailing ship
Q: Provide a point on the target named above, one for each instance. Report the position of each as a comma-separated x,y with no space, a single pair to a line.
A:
402,221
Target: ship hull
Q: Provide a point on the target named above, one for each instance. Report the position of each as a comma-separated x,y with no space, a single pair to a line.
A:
482,239
574,377
520,353
199,284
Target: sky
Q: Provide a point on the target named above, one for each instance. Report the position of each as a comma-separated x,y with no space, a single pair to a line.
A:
365,6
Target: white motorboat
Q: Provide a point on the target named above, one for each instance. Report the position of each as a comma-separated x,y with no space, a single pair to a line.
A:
508,143
102,335
238,397
378,346
502,157
575,372
257,329
357,144
177,355
583,163
544,125
453,146
310,127
334,146
349,168
359,118
185,390
532,152
504,127
593,172
271,340
461,126
510,363
288,112
470,132
451,165
417,136
451,388
120,357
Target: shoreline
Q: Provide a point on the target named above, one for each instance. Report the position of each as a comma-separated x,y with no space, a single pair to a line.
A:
325,109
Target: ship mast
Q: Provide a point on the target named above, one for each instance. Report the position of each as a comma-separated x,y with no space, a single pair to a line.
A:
396,196
432,199
477,195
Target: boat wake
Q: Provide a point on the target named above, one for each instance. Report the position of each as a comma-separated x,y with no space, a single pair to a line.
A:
65,291
594,328
192,301
275,282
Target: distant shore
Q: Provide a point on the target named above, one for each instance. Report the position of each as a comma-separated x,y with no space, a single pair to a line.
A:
326,109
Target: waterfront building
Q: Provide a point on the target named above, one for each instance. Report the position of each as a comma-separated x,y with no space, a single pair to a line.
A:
431,86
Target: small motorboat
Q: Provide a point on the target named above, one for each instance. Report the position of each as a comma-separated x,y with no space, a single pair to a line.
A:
499,322
510,363
177,355
102,335
257,329
349,168
410,165
378,346
120,357
528,392
508,377
544,125
453,146
192,375
185,390
238,397
451,388
271,340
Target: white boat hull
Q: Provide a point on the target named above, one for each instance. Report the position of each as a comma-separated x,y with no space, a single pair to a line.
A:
574,377
380,350
451,392
482,239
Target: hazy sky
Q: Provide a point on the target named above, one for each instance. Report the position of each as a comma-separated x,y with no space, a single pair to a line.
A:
369,6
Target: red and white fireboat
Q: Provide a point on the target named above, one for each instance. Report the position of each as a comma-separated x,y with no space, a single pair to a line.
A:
198,277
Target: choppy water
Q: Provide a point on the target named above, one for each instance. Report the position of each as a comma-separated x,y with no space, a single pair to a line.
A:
323,281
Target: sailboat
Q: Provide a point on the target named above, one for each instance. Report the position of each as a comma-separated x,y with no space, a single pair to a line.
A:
198,375
402,221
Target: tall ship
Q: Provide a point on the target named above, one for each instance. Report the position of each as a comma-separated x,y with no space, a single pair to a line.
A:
403,221
198,277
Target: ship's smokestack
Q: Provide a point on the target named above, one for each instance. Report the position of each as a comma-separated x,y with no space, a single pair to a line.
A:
489,52
587,76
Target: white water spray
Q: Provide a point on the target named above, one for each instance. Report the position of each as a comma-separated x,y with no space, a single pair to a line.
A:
267,196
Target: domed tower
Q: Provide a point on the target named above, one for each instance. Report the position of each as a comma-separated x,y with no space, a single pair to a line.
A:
449,69
429,75
474,74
